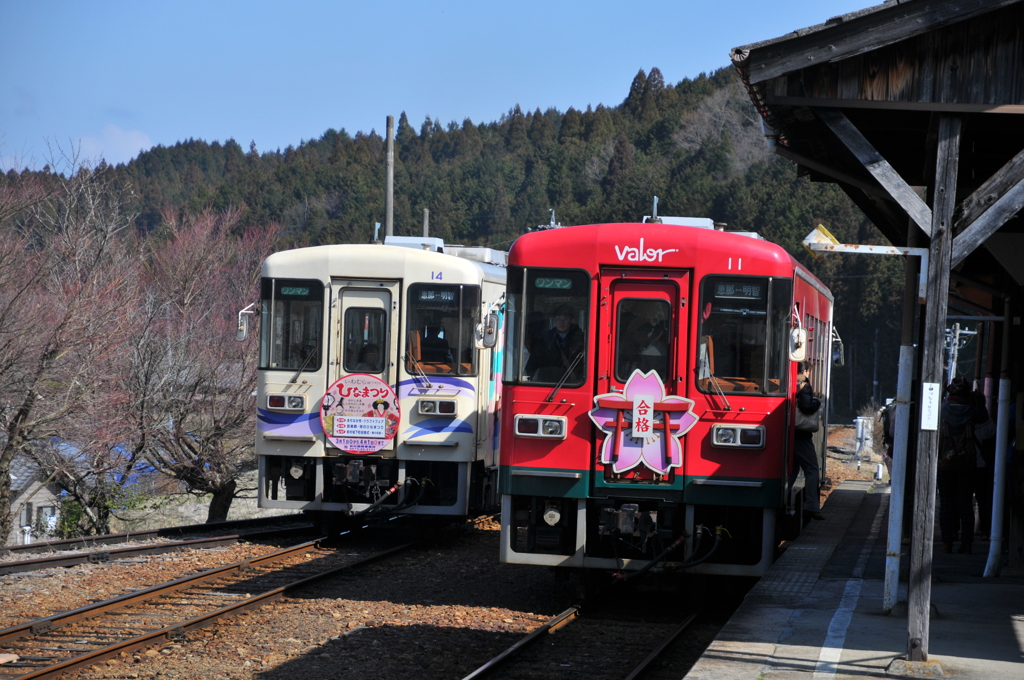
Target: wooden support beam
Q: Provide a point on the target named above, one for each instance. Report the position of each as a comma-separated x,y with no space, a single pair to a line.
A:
834,173
987,209
841,39
920,577
879,168
885,215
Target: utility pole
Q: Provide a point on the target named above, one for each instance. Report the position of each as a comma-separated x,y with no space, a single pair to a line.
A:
389,189
426,223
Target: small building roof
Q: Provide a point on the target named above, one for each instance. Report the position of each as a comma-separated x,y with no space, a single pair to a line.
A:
23,471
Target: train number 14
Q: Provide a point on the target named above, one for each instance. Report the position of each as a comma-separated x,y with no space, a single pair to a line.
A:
435,276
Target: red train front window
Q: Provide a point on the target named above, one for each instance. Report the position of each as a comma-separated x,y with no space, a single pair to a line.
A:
546,326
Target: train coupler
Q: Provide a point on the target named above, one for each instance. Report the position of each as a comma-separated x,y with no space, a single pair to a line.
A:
628,520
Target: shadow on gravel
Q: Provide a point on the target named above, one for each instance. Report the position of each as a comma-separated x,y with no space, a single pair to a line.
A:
462,570
390,651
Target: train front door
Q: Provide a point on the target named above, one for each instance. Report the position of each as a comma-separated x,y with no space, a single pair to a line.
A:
641,347
365,334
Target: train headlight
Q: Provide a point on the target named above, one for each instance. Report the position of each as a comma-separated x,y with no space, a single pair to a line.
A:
738,436
434,407
540,427
297,401
725,436
552,428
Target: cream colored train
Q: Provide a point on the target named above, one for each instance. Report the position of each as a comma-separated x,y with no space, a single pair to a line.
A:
379,378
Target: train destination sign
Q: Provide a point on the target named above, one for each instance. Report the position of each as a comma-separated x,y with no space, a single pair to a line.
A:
739,290
360,413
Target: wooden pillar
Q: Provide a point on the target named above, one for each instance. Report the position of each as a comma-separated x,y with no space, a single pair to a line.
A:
940,250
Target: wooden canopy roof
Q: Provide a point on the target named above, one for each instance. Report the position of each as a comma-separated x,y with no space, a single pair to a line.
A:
857,101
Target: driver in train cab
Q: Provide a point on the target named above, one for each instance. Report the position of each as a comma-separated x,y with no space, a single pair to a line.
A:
369,359
560,347
644,344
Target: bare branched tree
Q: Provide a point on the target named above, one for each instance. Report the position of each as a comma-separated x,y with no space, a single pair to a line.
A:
190,384
64,286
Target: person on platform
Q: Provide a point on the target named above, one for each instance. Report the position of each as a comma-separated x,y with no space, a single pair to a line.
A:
957,465
806,458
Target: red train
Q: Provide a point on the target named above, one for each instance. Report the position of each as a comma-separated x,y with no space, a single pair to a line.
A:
648,398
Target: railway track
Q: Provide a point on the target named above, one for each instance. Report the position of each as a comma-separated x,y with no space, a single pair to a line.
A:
587,647
51,646
90,542
82,550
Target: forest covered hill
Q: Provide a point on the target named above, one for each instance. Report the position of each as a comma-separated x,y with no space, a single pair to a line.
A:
697,145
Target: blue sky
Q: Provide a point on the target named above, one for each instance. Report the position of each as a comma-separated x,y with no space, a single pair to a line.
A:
113,78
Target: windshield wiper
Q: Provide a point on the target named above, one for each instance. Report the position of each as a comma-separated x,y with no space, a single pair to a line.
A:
718,390
419,369
302,367
565,376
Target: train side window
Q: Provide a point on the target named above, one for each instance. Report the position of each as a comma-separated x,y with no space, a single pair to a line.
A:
365,340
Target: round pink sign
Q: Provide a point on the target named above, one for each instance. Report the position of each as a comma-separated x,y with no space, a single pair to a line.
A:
360,413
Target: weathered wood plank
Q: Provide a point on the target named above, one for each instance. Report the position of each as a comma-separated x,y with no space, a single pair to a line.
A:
947,72
902,72
938,107
925,85
875,78
859,35
834,173
879,168
920,576
981,52
1005,207
985,196
885,215
848,86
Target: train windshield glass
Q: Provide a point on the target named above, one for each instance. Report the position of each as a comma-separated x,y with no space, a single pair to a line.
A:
291,328
743,329
442,324
546,314
365,340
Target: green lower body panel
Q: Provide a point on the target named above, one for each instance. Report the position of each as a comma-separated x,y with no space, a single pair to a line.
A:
734,491
548,482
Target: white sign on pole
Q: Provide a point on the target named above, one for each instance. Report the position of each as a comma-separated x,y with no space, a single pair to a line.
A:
931,394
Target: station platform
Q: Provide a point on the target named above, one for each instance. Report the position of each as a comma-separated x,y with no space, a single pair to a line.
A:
818,612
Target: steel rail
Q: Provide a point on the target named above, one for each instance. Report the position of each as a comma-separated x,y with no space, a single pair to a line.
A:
177,630
563,619
88,542
100,608
98,556
551,626
660,649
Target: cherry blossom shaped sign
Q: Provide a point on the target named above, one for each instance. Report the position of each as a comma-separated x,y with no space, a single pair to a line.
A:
643,425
